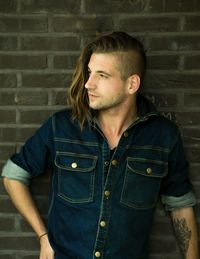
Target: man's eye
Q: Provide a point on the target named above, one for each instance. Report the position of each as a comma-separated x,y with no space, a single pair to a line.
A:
103,75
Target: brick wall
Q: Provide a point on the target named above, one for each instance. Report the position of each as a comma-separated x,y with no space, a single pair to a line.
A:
39,43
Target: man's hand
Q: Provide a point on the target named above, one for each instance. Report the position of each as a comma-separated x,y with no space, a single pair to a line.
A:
46,251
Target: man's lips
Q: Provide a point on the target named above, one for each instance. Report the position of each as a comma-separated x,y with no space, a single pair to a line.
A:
92,95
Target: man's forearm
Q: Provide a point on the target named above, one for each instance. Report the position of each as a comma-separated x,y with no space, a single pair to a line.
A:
186,232
22,199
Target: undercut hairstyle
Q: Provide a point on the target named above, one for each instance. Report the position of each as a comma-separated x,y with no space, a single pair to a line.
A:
132,60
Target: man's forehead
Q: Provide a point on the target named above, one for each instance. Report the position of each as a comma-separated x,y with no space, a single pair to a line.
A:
105,59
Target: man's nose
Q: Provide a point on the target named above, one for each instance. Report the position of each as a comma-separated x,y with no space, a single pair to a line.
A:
91,82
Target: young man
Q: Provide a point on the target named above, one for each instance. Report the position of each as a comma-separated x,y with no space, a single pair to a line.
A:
112,155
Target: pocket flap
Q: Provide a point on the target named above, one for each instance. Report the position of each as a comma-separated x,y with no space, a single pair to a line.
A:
147,167
75,162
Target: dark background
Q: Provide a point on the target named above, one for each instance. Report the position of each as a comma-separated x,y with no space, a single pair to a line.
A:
39,43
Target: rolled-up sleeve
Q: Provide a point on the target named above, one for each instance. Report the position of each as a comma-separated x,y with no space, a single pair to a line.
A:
177,191
172,203
34,157
15,172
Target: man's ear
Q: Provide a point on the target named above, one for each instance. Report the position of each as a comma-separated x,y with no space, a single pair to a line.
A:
134,84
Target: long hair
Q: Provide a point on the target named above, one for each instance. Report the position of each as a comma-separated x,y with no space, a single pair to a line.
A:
133,61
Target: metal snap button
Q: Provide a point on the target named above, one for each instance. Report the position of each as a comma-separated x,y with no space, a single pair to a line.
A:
102,223
114,162
97,254
149,170
107,193
125,134
74,165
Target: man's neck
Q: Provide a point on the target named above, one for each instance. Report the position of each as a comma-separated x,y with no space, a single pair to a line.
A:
114,122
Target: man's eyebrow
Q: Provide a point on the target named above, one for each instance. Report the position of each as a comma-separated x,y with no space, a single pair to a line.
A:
103,72
100,72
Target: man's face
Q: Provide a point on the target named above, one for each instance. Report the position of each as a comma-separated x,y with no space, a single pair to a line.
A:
106,89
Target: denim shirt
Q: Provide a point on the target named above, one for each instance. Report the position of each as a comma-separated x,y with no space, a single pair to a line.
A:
102,206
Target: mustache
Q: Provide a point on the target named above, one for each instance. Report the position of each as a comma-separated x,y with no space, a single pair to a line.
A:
92,93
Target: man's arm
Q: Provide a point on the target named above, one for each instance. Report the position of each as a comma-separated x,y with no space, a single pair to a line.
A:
22,199
186,231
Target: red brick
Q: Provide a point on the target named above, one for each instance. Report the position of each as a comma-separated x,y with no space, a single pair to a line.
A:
175,43
160,246
34,116
8,43
79,24
194,172
155,6
65,61
6,206
98,7
6,151
191,135
188,118
50,43
19,242
169,62
171,80
6,255
181,6
59,98
8,6
23,134
163,99
149,24
162,224
32,98
24,226
46,80
192,23
8,80
7,98
9,24
196,188
60,6
192,62
7,134
117,6
193,154
34,24
173,6
25,256
7,223
7,116
2,188
192,99
22,62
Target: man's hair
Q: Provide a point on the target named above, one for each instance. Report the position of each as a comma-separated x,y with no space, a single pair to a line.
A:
132,59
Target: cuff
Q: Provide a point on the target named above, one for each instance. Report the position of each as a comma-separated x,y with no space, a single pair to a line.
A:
15,172
171,202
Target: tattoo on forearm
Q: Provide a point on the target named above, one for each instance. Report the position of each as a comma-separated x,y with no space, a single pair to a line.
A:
183,234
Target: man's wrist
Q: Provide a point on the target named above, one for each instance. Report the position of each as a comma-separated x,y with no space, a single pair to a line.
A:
41,236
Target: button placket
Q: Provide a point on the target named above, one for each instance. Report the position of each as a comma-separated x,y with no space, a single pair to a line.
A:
105,212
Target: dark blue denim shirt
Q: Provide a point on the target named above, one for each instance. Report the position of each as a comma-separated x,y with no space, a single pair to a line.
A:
103,206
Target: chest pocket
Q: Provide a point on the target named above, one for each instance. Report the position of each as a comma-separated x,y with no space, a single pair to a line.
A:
142,182
76,175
